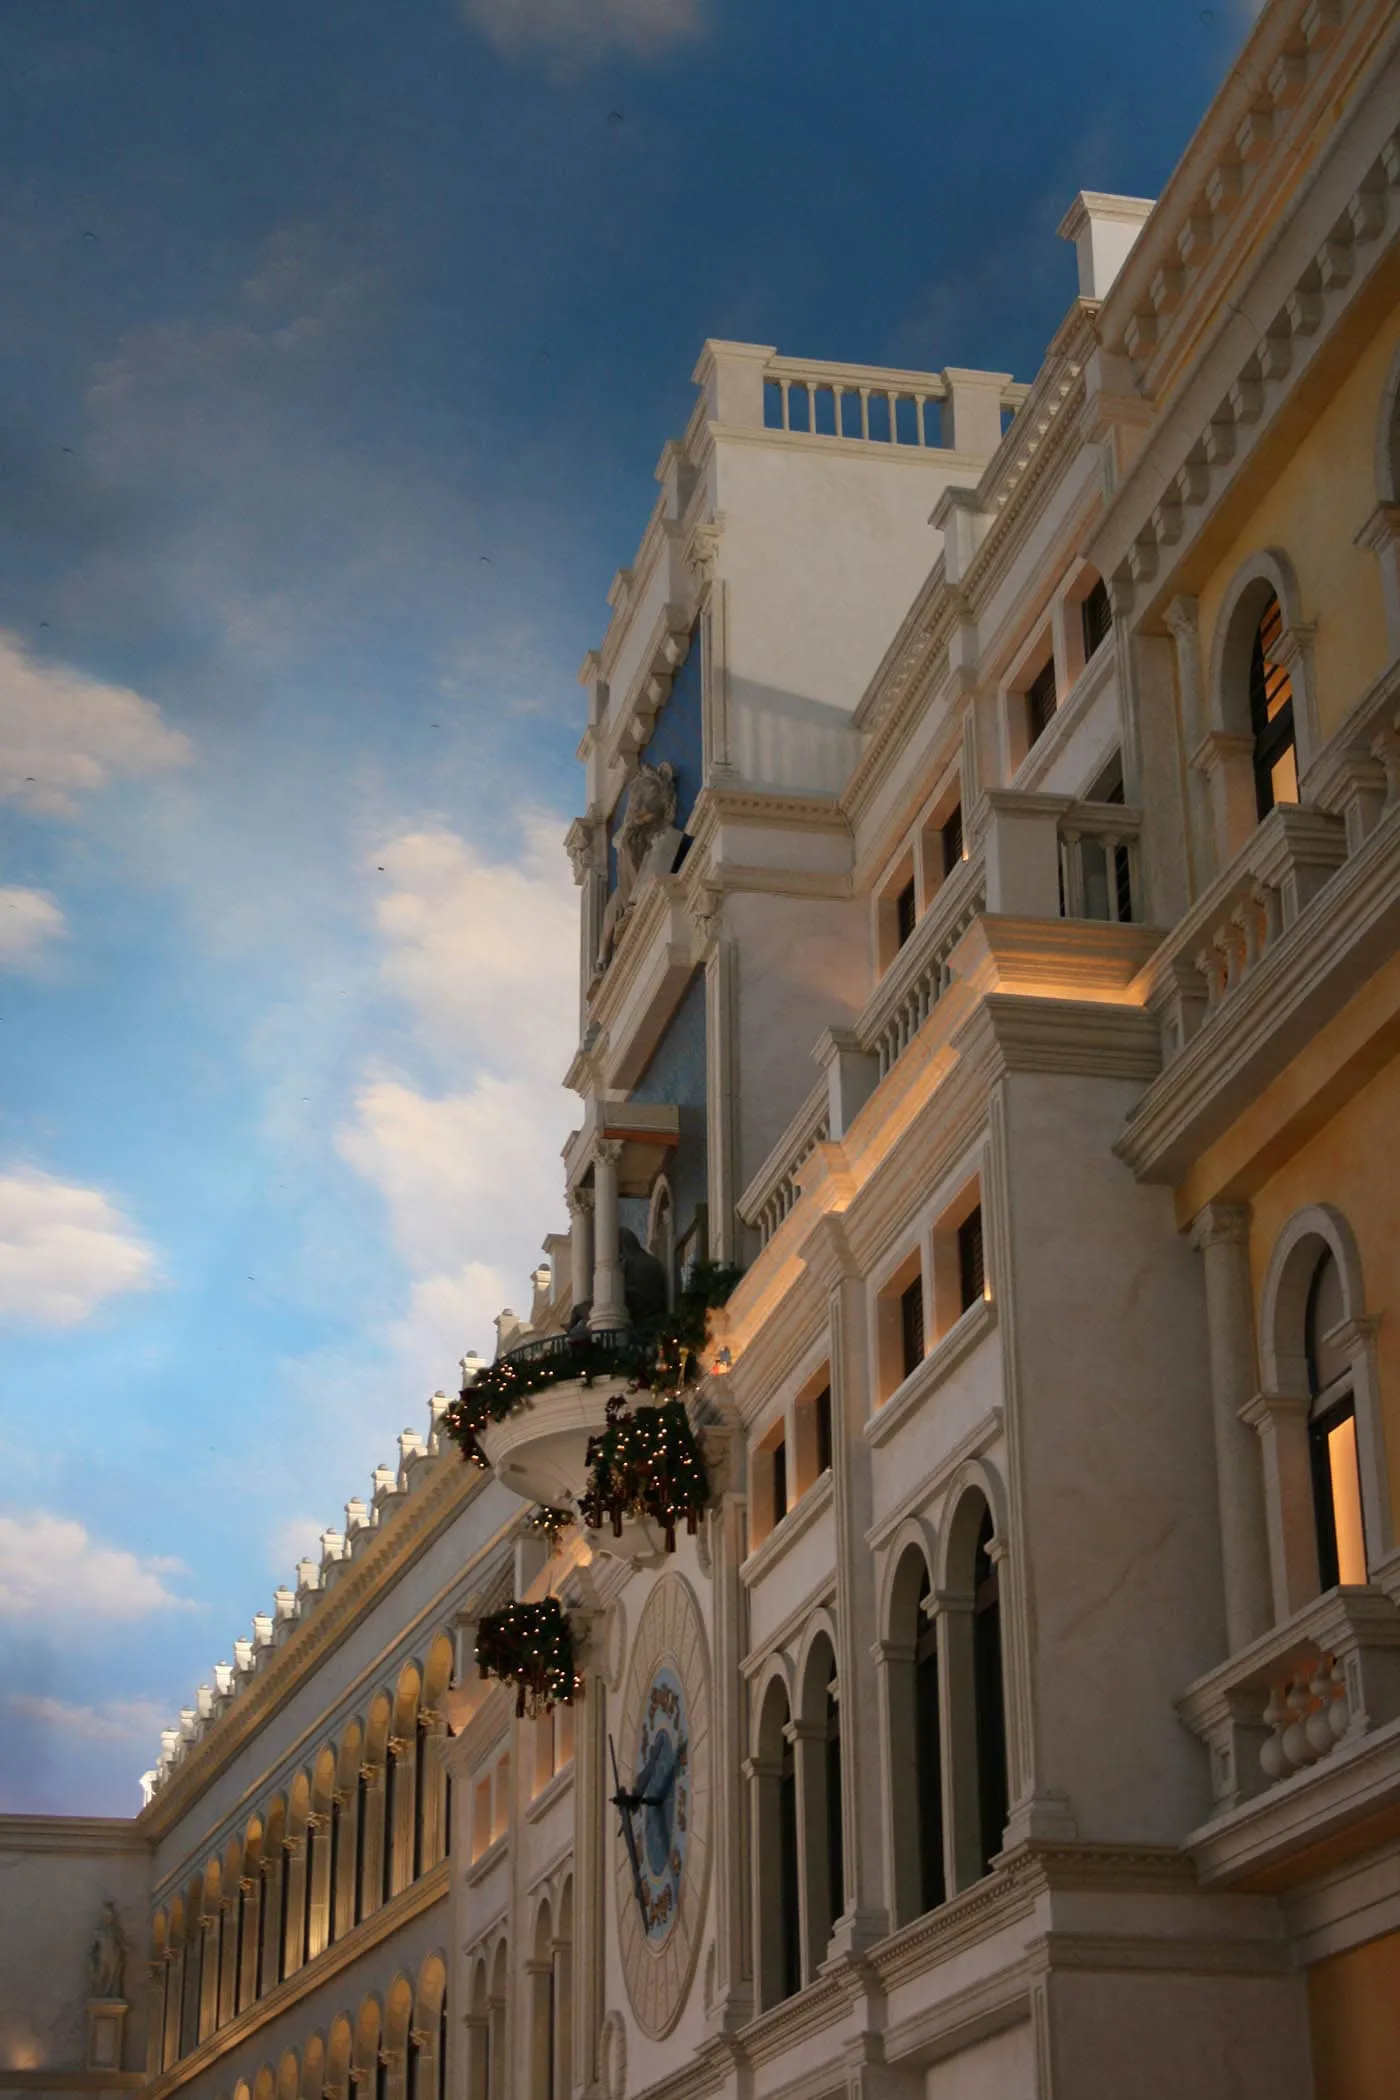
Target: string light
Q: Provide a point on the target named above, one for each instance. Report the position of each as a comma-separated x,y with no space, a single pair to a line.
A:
532,1647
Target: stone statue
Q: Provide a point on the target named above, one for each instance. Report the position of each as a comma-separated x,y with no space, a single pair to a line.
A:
643,1277
107,1956
650,814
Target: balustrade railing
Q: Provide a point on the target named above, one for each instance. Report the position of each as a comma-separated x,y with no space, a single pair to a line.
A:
1099,874
888,408
1327,1677
1243,916
775,1188
918,977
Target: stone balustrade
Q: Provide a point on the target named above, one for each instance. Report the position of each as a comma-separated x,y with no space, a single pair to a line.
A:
1295,1697
871,404
1242,918
917,978
776,1186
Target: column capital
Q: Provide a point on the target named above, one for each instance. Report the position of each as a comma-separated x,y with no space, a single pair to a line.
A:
1381,529
580,1200
607,1152
371,1774
1221,1224
1183,618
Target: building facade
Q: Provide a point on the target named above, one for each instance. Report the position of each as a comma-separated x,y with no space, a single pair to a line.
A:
989,871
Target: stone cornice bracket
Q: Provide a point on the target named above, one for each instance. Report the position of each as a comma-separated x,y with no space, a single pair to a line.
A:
706,909
1221,1225
702,551
581,845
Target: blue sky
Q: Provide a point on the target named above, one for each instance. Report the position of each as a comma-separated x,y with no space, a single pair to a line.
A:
337,345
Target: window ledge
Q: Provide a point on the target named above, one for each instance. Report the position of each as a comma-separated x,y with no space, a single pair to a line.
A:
545,1799
785,1534
942,1360
480,1868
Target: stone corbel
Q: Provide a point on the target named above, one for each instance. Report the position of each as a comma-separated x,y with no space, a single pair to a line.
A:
1281,1421
1380,535
706,908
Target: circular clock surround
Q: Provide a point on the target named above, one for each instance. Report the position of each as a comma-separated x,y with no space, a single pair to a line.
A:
664,1747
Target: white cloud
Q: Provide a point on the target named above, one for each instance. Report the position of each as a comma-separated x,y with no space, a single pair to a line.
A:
63,734
64,1250
292,1540
480,952
484,952
51,1567
114,1721
587,29
29,920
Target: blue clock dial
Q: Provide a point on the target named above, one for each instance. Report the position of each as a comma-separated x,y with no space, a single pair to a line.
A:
662,1783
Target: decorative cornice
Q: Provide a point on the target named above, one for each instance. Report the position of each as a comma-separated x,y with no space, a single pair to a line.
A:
1009,1033
92,1836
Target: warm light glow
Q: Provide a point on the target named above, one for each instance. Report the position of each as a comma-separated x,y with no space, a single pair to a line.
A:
1346,1501
1283,777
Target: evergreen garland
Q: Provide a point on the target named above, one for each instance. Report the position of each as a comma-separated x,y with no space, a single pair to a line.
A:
532,1647
646,1464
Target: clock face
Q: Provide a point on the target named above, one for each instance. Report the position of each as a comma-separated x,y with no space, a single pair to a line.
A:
662,1873
662,1771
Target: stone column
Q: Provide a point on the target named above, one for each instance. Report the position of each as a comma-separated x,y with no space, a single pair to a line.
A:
1380,535
371,1862
733,2004
580,1247
592,1877
808,1739
247,1989
477,2027
209,1952
563,1956
865,1918
272,1869
1221,1232
318,1869
609,1301
398,1840
294,1868
230,1954
951,1613
1182,618
894,1676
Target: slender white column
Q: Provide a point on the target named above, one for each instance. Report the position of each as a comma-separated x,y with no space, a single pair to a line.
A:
580,1247
1221,1231
609,1301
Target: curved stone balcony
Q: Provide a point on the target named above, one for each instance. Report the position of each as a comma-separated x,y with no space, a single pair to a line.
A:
539,1451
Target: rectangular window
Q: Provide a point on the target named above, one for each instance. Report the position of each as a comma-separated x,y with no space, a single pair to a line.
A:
822,1419
905,913
953,839
1096,615
780,1499
911,1325
972,1273
1040,703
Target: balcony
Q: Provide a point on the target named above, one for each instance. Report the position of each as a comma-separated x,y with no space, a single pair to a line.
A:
1303,1697
539,1448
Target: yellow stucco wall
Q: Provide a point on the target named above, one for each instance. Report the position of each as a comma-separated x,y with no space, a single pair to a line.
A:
1314,510
1354,2008
1351,1163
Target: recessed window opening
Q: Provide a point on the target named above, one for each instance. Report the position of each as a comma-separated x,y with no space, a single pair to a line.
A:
1271,715
1040,702
990,1711
905,913
1336,1474
1096,618
835,1865
911,1325
821,1417
972,1269
780,1491
952,839
929,1751
787,1858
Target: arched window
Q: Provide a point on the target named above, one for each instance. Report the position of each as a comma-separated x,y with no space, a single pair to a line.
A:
913,1703
774,1781
1271,714
991,1713
1336,1475
817,1749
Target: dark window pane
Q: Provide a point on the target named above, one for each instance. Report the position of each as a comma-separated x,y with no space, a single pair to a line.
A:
972,1271
1040,702
787,1854
911,1324
929,1752
1271,716
953,839
822,1406
987,1698
780,1501
835,1864
1097,616
904,913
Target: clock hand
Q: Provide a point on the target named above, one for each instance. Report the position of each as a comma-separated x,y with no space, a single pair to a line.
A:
626,1805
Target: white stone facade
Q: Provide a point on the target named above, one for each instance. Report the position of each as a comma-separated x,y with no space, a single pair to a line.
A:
1014,1738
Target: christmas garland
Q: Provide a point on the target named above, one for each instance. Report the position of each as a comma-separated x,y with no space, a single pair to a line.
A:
645,1464
661,1357
532,1647
549,1524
